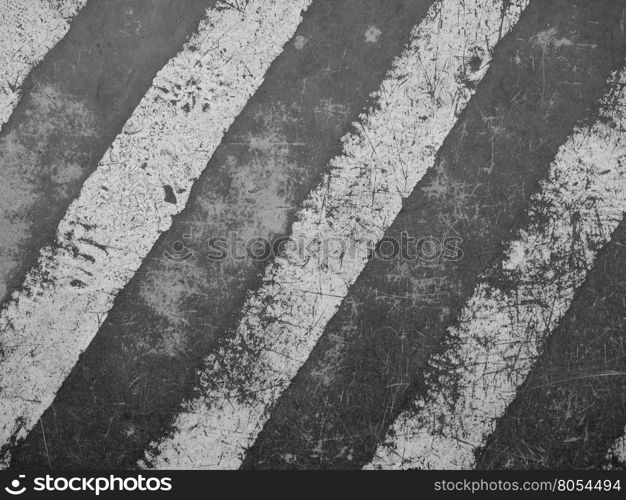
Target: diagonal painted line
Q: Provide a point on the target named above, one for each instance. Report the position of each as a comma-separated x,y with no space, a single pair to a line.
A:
570,408
28,30
122,209
180,302
73,105
370,361
395,144
501,330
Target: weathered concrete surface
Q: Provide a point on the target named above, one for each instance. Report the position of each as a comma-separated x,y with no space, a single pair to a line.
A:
572,406
369,364
74,103
130,382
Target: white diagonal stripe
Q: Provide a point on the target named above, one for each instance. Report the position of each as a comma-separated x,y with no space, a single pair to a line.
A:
500,332
396,143
28,30
121,211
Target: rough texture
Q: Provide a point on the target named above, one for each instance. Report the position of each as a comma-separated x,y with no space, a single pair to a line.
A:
508,152
28,29
393,146
121,210
73,104
617,454
370,361
128,385
571,407
519,301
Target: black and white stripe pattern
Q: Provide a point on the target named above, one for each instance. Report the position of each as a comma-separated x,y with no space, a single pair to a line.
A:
121,210
499,123
29,30
499,334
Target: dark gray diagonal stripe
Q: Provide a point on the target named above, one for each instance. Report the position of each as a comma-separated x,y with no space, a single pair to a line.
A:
369,363
572,406
74,104
128,385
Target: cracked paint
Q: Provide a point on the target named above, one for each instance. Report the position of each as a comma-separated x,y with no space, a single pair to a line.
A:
501,330
29,30
121,210
395,144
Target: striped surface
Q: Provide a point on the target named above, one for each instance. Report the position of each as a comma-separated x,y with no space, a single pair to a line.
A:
122,209
576,386
330,358
500,332
370,360
394,146
273,155
29,30
75,102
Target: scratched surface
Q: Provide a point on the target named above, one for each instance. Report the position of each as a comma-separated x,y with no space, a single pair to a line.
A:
340,119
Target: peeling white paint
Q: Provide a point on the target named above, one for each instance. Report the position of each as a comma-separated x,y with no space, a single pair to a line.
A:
500,332
396,143
617,453
31,180
121,210
28,30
